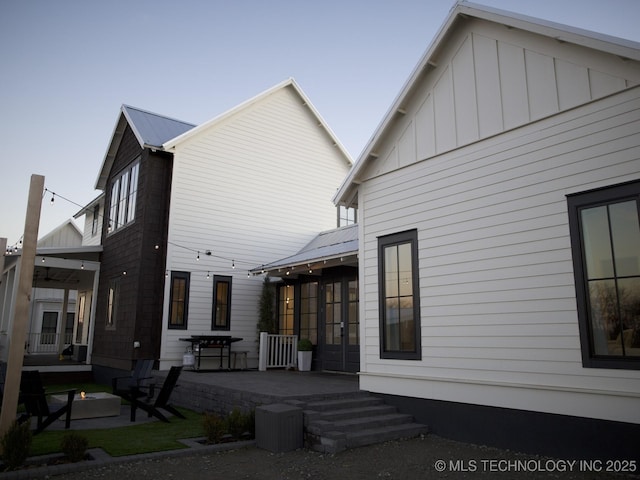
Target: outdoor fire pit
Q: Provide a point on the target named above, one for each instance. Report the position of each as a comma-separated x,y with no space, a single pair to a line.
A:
92,405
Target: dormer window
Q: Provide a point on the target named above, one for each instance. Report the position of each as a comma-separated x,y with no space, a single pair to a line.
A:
346,216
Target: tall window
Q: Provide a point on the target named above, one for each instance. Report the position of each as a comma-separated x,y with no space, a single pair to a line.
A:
179,300
95,222
309,311
346,216
286,304
124,188
112,303
221,303
333,313
353,321
605,241
399,296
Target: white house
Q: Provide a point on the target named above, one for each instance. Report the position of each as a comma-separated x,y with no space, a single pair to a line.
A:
188,210
499,244
251,185
64,277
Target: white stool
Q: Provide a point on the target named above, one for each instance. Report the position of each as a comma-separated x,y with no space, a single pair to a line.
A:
243,358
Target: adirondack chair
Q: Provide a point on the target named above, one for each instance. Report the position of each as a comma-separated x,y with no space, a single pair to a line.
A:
139,377
141,400
36,405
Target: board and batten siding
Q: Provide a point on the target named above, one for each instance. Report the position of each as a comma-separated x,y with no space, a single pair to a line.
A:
251,189
489,79
498,308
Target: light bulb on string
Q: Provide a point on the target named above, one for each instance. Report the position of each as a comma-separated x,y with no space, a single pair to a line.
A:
233,264
198,257
53,198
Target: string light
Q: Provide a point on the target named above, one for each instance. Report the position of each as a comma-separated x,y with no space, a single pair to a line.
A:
208,275
110,228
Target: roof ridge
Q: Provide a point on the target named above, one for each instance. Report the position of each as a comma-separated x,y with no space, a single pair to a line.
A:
148,112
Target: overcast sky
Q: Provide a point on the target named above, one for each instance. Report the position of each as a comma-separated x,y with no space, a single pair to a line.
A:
66,67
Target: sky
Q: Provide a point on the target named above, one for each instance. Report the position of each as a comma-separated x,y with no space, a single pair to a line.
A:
67,66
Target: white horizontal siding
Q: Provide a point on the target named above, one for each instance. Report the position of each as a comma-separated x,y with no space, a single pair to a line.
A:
497,290
252,189
489,79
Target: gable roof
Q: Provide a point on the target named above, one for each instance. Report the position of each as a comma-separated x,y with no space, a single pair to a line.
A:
326,246
150,129
347,193
289,83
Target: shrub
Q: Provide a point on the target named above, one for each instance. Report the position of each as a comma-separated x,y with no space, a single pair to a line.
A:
235,423
15,444
74,446
214,427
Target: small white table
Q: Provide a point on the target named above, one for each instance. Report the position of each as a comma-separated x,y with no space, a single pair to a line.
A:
93,405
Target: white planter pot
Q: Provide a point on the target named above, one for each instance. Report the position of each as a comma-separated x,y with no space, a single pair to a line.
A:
304,361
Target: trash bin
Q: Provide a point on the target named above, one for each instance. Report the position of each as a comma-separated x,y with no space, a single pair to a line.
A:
279,427
79,353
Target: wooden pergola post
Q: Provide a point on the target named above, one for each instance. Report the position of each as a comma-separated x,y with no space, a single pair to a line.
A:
21,311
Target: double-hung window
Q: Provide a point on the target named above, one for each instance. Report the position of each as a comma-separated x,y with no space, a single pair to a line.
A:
124,188
605,241
399,296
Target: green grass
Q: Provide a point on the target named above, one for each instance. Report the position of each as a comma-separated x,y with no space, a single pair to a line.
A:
130,440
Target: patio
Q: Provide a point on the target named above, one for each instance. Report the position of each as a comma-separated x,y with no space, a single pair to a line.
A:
223,390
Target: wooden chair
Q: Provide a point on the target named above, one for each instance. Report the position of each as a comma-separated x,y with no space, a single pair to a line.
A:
139,377
137,398
35,402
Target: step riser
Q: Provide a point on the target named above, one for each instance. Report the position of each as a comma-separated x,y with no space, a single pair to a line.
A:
357,413
346,404
364,423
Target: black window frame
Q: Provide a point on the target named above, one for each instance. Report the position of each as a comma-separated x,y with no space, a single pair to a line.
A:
396,239
186,277
217,280
576,203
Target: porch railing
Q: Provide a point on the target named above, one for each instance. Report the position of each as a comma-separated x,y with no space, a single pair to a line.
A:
46,342
277,351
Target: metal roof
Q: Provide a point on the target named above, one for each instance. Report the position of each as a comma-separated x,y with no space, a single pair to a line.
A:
328,245
151,129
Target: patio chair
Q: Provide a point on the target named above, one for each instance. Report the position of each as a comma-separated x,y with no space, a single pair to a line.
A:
35,402
139,377
137,398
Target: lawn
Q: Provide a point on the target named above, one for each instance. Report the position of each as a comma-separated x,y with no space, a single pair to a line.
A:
130,440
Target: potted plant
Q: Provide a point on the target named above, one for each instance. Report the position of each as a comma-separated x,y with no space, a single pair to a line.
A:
305,351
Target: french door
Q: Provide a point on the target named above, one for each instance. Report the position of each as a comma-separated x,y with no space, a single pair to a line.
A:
340,335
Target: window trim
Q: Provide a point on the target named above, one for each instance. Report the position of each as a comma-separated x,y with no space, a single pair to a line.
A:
112,303
411,237
575,203
186,276
218,279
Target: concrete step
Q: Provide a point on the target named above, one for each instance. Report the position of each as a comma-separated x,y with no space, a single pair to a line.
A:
349,413
359,423
344,403
384,434
335,425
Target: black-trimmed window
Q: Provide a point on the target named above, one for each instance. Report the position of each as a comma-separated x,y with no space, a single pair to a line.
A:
112,303
347,216
605,242
179,300
399,296
124,188
95,221
221,303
